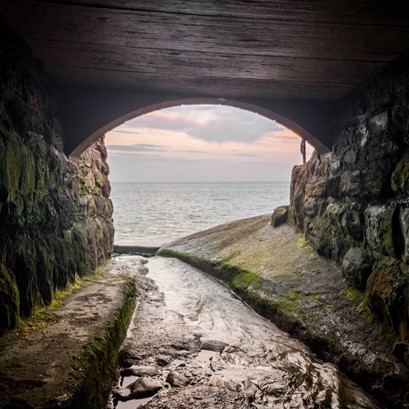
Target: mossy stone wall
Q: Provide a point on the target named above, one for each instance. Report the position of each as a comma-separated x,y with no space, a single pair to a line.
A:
353,204
55,213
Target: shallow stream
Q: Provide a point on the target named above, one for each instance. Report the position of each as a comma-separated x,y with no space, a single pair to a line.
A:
193,344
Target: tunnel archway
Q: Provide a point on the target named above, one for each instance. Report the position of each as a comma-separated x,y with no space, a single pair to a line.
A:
257,109
162,149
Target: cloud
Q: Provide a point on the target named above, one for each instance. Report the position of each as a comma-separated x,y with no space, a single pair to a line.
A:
136,155
245,155
208,122
143,147
202,143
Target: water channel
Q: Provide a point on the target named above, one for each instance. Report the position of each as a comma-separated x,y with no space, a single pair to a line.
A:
194,344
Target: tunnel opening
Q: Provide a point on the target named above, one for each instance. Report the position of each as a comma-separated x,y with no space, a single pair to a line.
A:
186,168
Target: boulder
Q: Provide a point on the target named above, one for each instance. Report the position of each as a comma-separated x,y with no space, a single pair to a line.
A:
280,216
144,387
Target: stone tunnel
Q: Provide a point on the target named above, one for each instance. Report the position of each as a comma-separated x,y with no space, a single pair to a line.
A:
337,73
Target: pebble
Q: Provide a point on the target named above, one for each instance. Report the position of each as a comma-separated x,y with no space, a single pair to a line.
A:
176,379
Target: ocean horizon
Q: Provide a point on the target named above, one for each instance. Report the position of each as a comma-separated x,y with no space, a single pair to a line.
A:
155,213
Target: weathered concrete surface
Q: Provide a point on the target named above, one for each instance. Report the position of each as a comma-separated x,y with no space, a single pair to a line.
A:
280,276
136,250
68,359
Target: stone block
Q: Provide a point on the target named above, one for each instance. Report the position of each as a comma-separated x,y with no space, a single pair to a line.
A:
352,220
379,230
400,176
356,267
404,225
350,183
387,292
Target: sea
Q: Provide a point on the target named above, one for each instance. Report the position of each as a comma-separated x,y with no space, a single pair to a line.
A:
152,214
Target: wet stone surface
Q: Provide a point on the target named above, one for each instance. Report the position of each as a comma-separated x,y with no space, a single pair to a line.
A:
193,344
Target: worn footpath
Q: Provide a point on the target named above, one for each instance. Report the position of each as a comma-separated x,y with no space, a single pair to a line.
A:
67,358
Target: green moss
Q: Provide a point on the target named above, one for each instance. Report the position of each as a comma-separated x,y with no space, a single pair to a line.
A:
248,286
93,370
9,298
42,314
231,257
287,307
303,243
245,279
188,258
400,176
351,293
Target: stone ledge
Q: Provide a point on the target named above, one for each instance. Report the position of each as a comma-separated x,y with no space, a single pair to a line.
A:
279,275
69,362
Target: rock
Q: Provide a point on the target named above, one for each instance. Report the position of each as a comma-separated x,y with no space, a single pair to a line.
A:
333,186
139,371
356,268
216,346
163,360
400,176
387,288
404,226
350,183
379,230
378,123
279,216
17,404
176,379
144,388
350,156
122,394
401,351
352,220
299,179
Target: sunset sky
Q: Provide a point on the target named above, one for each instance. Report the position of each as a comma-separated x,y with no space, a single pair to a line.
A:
200,143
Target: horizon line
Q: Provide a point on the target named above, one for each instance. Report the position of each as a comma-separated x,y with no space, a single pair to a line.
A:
205,181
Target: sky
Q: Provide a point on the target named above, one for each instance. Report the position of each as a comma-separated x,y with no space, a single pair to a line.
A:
202,143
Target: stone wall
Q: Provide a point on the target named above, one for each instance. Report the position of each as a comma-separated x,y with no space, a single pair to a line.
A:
55,213
353,204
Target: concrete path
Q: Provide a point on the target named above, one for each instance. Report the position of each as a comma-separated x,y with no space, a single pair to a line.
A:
66,357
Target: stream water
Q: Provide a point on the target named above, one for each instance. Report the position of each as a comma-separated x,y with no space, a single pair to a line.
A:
193,344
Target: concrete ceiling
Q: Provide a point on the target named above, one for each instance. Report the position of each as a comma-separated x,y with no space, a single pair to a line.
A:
273,48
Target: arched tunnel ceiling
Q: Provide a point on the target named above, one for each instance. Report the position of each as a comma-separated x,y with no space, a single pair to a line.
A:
311,50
